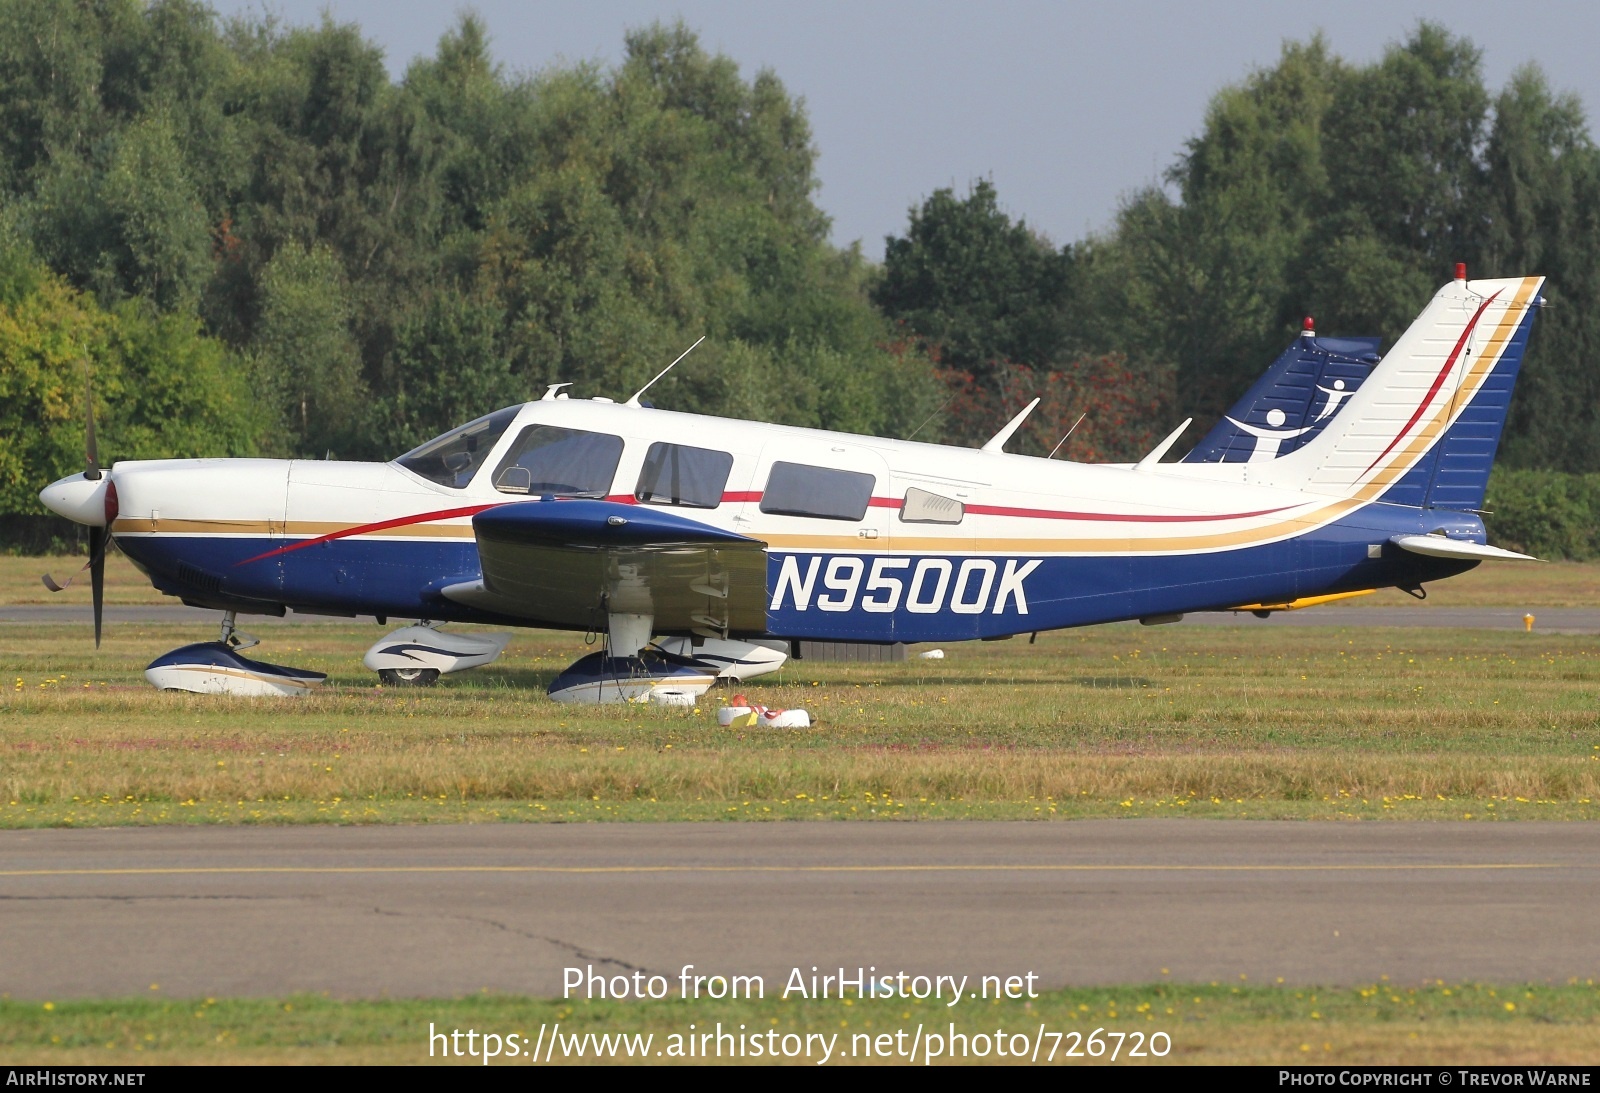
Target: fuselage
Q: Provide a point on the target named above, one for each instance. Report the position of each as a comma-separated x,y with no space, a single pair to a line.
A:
867,539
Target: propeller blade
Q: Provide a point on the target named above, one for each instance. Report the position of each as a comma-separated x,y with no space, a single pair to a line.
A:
50,582
91,469
97,577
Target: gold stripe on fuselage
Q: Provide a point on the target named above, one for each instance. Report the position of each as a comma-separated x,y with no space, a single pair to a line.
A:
126,525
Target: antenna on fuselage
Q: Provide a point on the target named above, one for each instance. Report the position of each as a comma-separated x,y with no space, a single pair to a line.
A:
634,401
997,442
554,392
1161,449
1070,431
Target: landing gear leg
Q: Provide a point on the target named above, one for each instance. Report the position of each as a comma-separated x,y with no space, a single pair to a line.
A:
627,634
232,636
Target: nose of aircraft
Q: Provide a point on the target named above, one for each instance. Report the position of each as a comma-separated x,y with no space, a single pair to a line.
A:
84,500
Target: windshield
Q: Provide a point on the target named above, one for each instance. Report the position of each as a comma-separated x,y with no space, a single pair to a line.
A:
452,459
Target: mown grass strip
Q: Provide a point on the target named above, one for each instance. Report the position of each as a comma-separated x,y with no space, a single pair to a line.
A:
1380,1022
1113,721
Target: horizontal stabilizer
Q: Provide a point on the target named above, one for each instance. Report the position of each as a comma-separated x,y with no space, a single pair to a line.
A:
1437,546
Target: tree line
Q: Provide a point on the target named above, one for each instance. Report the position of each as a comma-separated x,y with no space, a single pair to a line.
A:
251,240
1315,187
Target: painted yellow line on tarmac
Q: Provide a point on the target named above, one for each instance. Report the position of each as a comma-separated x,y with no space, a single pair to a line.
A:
229,870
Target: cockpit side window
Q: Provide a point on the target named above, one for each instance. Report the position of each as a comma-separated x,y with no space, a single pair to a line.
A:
677,474
548,460
452,459
795,489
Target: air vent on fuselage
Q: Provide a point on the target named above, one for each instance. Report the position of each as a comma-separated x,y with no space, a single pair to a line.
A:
198,579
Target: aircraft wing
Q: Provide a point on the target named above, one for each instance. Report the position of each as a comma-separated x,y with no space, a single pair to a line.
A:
570,563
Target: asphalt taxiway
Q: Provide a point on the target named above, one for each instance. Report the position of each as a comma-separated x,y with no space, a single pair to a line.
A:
431,911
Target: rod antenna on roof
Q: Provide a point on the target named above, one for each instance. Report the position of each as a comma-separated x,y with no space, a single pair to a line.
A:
634,401
1064,439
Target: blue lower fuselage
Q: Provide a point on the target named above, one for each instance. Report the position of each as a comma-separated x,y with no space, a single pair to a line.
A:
869,597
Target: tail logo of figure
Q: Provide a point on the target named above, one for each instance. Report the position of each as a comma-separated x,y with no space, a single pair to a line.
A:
1336,396
1268,441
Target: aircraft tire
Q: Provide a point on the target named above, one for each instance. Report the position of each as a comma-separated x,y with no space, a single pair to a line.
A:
408,677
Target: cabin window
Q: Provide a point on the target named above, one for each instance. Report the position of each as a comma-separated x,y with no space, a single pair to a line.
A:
922,507
794,489
452,459
548,460
676,474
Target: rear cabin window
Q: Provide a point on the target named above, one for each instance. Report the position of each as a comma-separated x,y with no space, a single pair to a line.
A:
452,459
547,460
922,507
794,489
676,474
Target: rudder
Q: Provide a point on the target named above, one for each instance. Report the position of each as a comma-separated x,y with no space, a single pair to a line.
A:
1467,450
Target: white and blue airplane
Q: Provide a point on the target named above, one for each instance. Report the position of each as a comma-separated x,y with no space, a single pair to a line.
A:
1339,473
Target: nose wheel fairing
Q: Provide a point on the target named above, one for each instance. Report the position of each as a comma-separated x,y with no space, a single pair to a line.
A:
215,667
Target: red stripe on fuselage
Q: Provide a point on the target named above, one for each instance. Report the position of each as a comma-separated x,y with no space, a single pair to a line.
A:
1067,514
730,498
1438,381
381,525
1114,517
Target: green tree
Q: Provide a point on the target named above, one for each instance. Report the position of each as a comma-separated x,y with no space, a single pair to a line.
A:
159,244
304,353
161,388
447,367
389,255
984,289
1544,217
50,340
50,74
1348,193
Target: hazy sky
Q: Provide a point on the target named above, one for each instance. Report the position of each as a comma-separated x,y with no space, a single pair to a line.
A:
1066,106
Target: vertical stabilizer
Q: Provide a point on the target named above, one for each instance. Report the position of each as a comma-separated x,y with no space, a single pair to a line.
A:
1295,400
1422,429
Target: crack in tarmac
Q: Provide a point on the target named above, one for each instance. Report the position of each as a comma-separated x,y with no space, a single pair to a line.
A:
574,949
586,955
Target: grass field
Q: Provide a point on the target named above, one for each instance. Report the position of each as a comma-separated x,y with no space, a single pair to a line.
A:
1109,721
1455,1024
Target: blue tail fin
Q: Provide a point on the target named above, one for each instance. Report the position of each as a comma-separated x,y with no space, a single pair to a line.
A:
1308,383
